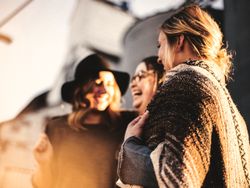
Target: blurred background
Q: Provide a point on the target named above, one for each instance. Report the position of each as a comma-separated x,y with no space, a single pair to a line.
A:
41,42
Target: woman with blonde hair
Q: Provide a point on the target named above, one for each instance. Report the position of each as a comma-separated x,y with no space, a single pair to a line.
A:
192,134
79,149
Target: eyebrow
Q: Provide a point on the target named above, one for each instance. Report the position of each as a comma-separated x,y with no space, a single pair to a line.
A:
141,71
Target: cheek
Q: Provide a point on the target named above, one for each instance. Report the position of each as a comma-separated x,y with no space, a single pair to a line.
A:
164,55
110,91
147,89
90,98
167,59
160,53
94,90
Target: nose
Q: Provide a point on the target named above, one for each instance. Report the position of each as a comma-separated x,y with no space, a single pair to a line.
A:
100,89
136,78
133,82
159,61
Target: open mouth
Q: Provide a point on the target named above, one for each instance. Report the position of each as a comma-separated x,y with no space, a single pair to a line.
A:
137,93
101,97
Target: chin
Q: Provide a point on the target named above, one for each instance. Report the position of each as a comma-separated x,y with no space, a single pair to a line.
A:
136,105
139,109
102,107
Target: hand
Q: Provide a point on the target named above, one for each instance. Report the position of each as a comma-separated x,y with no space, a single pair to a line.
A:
135,127
43,150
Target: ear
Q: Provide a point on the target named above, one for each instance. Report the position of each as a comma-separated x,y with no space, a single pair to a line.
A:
180,43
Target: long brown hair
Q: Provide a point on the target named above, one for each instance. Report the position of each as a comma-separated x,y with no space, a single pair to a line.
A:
202,33
81,107
151,63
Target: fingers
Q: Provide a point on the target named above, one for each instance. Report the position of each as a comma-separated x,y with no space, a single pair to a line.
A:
136,126
134,121
141,121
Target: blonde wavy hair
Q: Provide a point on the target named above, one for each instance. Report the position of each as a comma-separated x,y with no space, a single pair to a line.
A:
81,107
202,33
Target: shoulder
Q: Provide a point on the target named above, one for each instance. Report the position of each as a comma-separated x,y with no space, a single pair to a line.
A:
184,73
190,80
57,122
197,74
185,85
57,126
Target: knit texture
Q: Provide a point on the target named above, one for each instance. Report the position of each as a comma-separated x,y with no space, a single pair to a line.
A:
198,136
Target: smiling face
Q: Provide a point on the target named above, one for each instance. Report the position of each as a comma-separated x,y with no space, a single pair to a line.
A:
102,92
143,86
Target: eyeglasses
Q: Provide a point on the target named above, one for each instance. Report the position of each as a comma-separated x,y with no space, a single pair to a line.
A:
141,75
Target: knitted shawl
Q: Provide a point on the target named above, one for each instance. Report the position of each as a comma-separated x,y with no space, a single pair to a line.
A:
196,132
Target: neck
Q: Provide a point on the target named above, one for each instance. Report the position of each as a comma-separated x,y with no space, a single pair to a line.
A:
187,58
186,54
94,117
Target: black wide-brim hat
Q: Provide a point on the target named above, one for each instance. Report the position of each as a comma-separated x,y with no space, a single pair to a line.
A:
88,69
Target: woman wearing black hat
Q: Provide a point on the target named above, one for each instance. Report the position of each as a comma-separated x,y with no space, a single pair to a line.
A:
79,149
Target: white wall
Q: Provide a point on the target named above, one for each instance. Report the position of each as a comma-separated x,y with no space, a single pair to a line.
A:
31,63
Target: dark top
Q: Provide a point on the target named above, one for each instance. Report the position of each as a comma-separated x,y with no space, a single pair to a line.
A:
195,132
85,158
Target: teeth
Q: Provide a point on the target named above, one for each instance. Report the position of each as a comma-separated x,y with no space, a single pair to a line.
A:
137,93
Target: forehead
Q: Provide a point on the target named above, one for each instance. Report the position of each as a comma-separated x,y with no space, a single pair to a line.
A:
162,36
141,67
106,75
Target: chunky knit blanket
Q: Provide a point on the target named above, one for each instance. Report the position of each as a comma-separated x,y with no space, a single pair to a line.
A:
198,137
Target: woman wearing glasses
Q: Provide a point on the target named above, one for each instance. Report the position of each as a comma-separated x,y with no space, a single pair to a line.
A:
148,76
192,134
